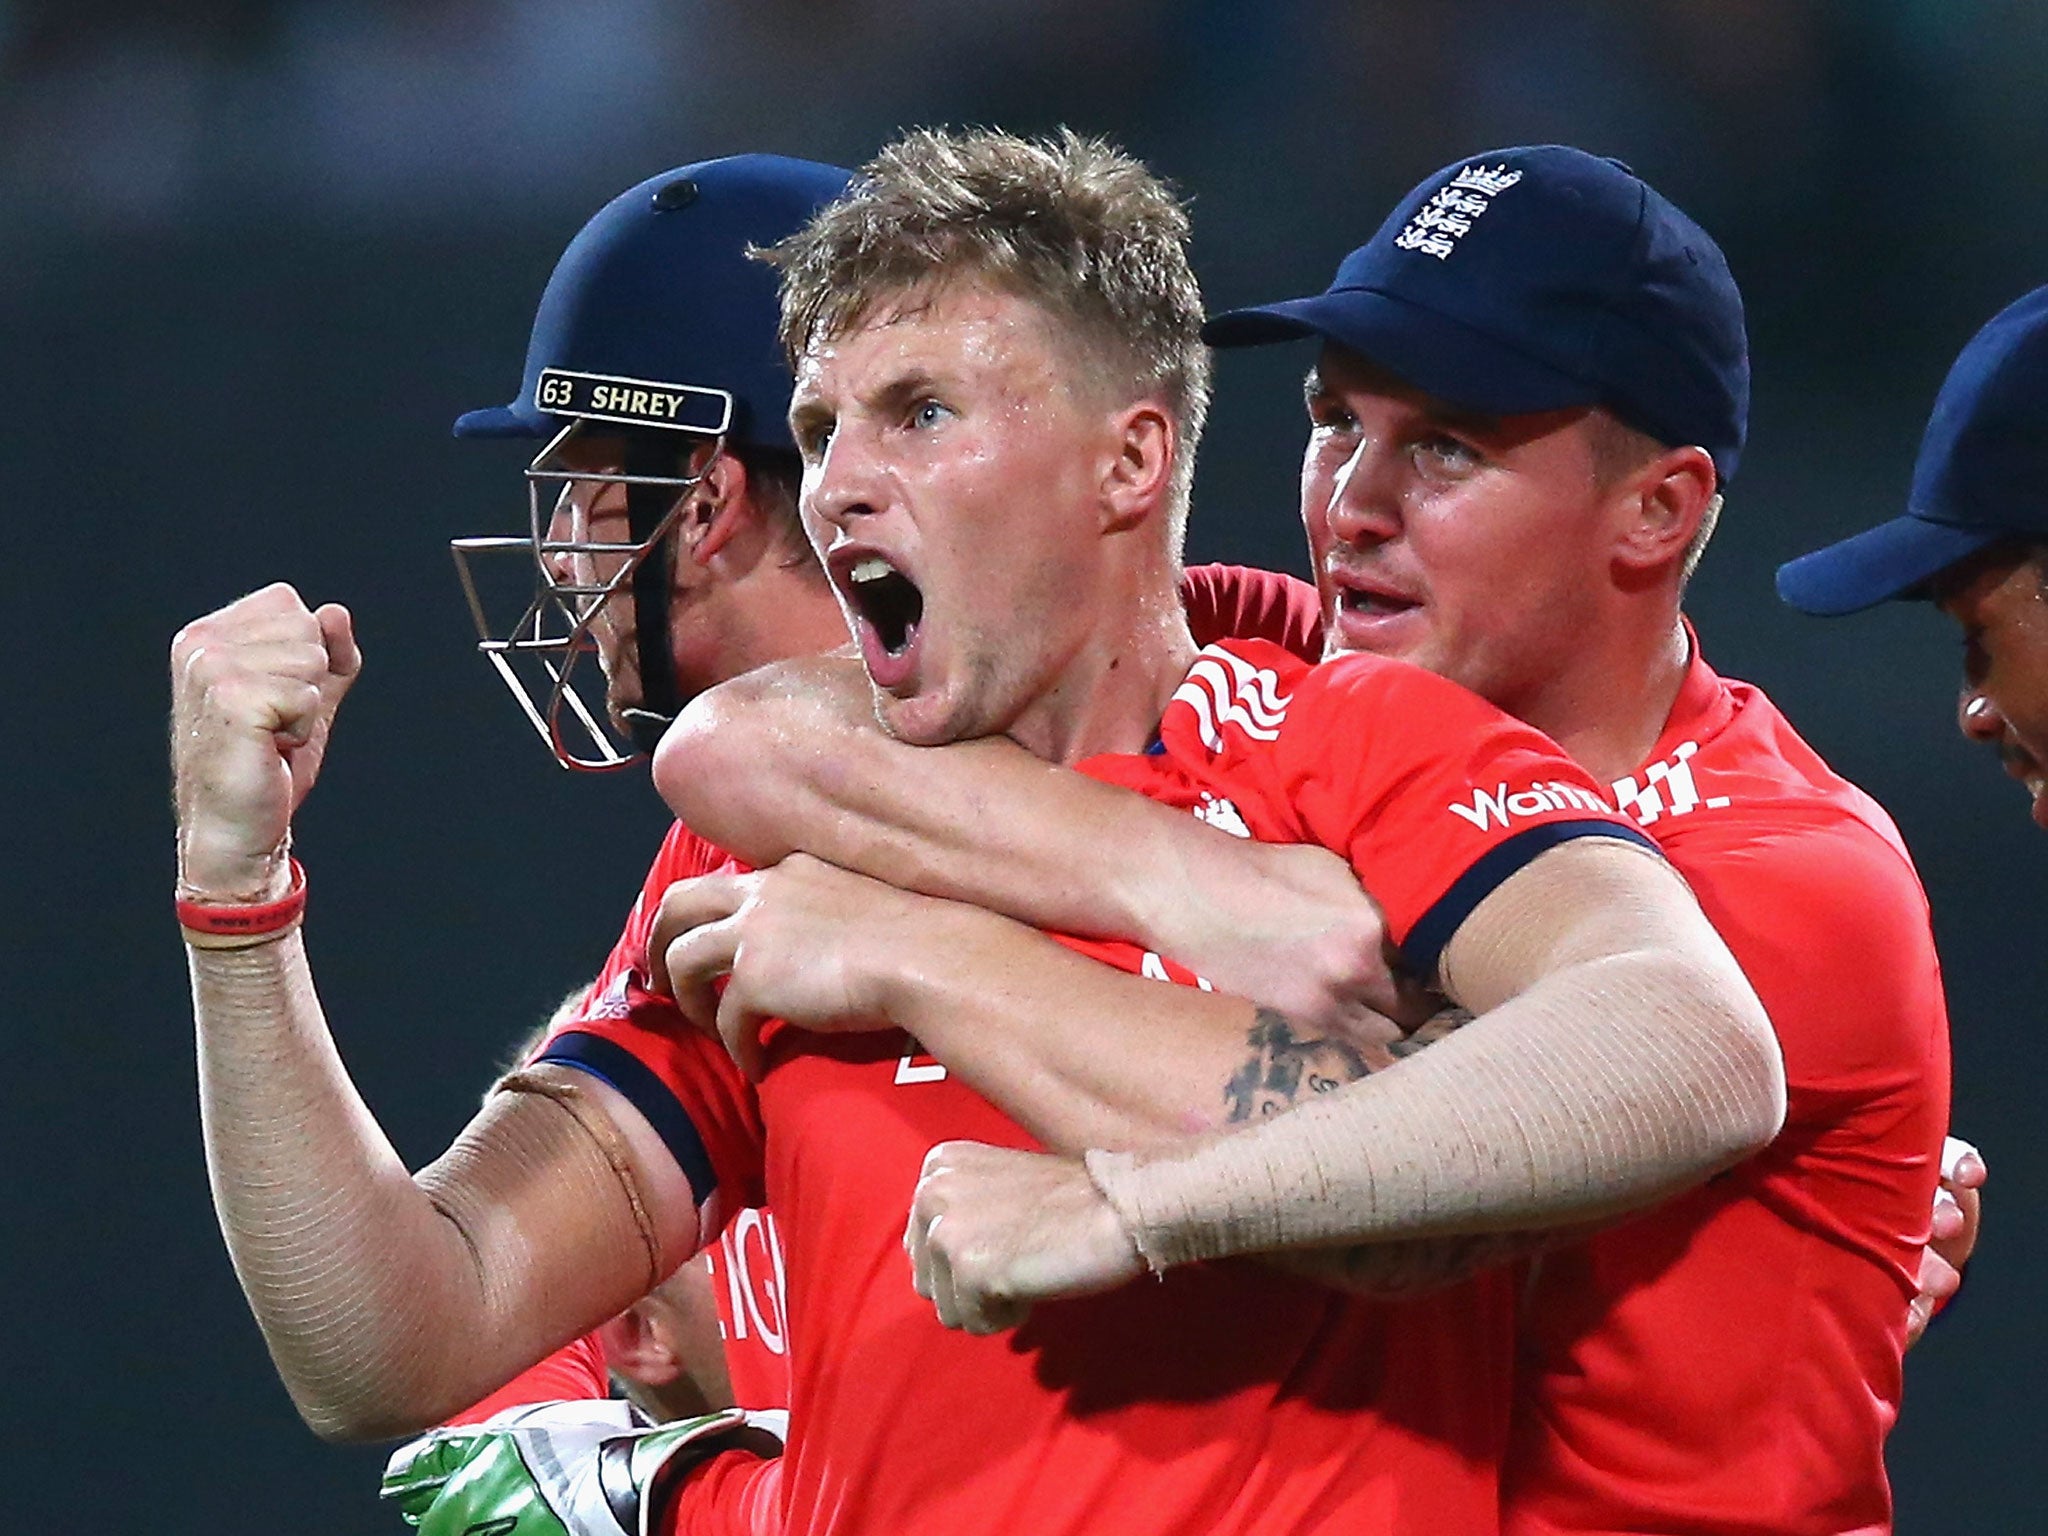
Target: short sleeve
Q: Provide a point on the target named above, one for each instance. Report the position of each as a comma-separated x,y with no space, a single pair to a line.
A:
1434,795
681,1080
1236,602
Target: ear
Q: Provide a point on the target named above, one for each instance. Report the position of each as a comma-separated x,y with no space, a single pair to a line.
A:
638,1347
1138,476
716,507
1661,505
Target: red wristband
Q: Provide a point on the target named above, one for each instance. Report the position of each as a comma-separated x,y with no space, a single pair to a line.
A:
222,927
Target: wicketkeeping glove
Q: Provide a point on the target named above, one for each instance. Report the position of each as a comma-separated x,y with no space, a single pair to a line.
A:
562,1469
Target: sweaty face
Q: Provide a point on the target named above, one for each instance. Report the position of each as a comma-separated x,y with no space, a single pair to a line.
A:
592,512
1998,600
1470,545
951,474
591,518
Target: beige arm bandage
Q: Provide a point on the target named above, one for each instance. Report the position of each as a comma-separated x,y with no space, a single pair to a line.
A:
390,1302
1618,1057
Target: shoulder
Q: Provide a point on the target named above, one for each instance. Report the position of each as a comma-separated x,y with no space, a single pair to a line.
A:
1757,796
683,855
1805,862
1240,602
1404,709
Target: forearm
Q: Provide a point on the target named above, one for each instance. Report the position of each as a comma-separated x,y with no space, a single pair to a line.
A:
789,759
388,1302
1605,1087
1081,1054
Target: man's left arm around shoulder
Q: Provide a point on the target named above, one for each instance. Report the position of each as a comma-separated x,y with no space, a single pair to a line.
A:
789,759
1618,1056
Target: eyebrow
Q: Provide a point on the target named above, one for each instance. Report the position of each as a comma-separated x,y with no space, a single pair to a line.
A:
804,415
1314,388
905,388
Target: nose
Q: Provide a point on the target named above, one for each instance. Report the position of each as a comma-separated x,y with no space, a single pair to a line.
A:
561,530
1363,507
847,483
1978,718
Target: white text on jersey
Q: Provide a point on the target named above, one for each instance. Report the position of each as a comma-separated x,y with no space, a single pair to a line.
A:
1502,807
1667,788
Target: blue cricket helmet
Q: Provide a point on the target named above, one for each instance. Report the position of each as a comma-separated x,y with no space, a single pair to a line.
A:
656,316
658,328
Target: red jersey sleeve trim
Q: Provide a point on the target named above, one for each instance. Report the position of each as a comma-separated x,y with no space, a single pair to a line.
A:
1423,949
614,1064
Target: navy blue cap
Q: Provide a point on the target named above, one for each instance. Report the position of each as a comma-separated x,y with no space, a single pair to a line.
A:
1982,476
655,314
1536,278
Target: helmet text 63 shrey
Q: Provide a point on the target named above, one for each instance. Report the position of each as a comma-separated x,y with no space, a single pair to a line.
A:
657,333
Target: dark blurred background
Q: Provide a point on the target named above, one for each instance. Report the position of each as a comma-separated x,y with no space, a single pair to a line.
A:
256,254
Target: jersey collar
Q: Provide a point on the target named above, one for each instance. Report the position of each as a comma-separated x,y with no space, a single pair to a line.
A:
1703,706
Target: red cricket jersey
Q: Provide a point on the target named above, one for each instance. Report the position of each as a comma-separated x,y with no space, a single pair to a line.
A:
746,1261
1224,1397
1730,1361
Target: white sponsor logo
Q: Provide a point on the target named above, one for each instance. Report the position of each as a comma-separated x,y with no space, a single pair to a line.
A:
917,1065
1153,968
1503,805
1223,689
612,1002
750,1253
1222,815
1439,224
1666,789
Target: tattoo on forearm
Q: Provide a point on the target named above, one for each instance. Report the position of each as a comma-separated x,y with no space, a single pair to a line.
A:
1283,1067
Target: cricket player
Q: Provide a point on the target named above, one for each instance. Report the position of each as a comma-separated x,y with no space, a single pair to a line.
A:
1000,387
1531,392
656,388
654,347
1974,539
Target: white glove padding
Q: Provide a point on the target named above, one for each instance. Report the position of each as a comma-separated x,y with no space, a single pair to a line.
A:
563,1469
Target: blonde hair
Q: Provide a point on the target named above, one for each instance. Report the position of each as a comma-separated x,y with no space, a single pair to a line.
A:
1071,224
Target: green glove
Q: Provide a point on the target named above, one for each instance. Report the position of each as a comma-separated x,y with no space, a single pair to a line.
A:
562,1469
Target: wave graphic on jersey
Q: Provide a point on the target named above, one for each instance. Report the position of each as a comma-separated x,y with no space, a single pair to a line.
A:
1223,689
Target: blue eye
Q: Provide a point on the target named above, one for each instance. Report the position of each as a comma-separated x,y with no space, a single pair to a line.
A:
1449,452
928,413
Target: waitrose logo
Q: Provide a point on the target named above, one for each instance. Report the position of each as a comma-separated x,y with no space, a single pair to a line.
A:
1502,807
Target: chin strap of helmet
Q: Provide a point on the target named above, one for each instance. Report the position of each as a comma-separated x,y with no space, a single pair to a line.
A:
653,580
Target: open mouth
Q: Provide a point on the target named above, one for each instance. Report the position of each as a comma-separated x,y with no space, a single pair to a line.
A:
1370,604
888,600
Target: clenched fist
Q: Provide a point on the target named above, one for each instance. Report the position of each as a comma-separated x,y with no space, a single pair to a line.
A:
993,1231
254,688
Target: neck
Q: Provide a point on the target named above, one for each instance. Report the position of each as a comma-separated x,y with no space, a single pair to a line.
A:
1111,693
1608,707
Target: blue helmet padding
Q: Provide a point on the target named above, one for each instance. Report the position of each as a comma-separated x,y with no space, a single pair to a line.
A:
658,287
